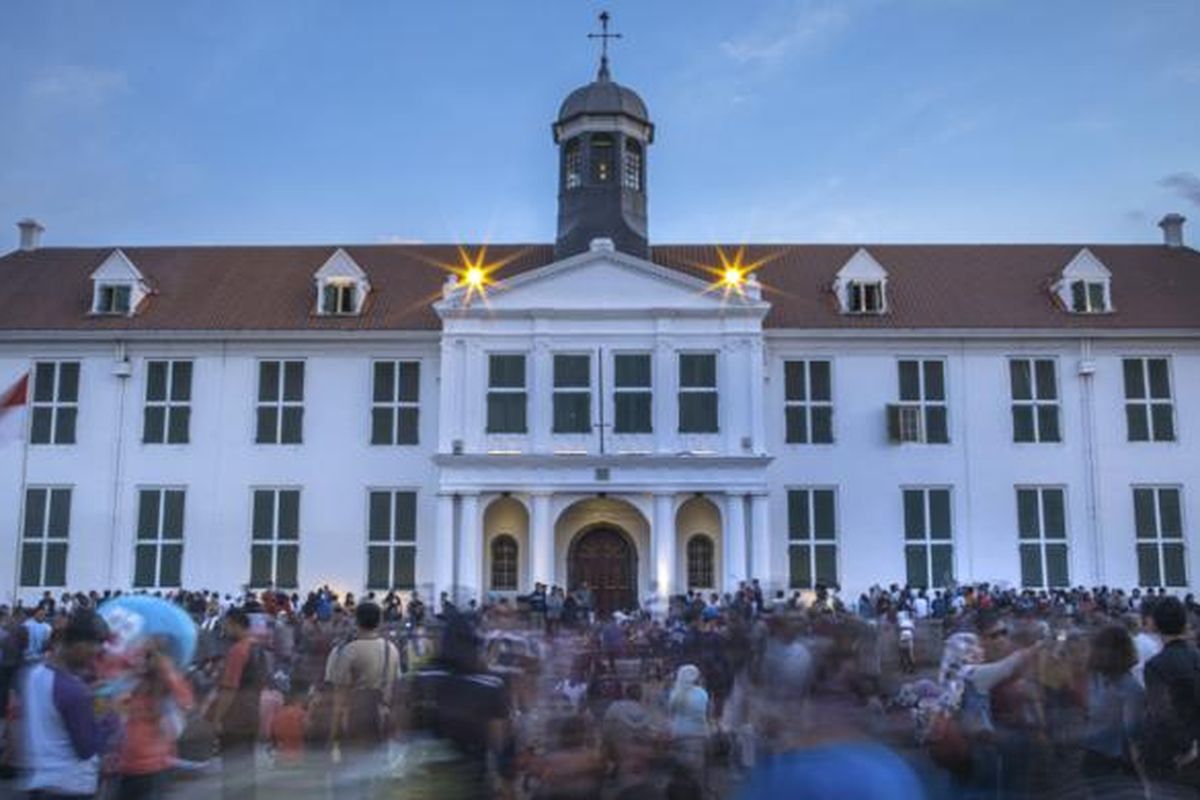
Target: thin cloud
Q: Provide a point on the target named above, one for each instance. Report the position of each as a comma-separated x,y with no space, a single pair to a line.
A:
1184,184
76,86
807,26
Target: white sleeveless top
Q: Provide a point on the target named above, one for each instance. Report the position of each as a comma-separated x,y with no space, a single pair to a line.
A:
48,755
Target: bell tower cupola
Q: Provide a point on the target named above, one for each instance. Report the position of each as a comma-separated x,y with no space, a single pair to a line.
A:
602,132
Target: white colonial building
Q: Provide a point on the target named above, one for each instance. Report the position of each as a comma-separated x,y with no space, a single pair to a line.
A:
647,419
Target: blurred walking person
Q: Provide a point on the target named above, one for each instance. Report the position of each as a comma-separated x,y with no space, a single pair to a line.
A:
235,714
154,715
61,737
688,707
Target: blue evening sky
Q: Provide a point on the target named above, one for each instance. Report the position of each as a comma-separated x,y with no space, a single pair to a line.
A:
782,120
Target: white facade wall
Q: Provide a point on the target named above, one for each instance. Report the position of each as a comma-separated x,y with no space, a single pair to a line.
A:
336,466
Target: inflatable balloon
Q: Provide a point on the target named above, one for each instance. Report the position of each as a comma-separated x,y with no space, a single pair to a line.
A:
134,619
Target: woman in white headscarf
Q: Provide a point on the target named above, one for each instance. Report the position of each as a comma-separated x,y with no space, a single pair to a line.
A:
688,708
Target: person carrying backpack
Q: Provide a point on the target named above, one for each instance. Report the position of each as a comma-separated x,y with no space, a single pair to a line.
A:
363,675
236,711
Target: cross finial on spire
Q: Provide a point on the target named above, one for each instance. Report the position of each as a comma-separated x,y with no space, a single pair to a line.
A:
603,36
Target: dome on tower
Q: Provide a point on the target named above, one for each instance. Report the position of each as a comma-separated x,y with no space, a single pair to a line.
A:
603,96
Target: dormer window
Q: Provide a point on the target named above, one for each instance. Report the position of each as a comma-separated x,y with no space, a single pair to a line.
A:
112,298
1088,297
861,285
339,298
864,297
342,286
118,287
1085,285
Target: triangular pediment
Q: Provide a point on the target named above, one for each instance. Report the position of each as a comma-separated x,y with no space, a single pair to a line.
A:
340,265
607,280
117,268
1085,266
862,266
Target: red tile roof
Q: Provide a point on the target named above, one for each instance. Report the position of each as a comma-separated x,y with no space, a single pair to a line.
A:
271,288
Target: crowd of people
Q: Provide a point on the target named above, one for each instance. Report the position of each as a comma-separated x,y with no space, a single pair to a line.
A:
974,691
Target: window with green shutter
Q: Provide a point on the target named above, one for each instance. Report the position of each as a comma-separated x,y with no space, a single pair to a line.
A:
166,417
812,538
1042,537
44,536
807,402
632,393
698,393
391,539
395,402
928,537
275,538
1034,386
506,393
158,552
1149,409
280,410
55,406
1158,528
572,400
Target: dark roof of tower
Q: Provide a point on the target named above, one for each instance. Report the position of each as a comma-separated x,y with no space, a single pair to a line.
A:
603,96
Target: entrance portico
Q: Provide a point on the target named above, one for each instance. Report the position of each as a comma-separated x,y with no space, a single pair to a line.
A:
499,535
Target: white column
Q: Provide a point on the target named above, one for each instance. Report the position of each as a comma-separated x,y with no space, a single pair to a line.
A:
662,537
760,541
541,541
470,574
443,551
734,540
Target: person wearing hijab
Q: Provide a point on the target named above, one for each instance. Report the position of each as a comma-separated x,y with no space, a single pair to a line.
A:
688,709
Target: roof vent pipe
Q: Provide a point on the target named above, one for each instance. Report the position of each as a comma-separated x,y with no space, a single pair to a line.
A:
1172,228
31,233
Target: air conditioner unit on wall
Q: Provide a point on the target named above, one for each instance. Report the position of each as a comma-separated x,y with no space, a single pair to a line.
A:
904,423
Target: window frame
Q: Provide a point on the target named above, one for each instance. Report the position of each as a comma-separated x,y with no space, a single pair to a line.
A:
105,301
275,542
168,405
927,543
56,406
1159,542
602,149
395,543
504,538
812,541
43,541
714,390
1147,403
280,405
633,390
395,407
858,293
573,164
1034,402
340,290
567,392
694,568
159,542
522,390
807,404
1088,304
632,159
1043,541
923,402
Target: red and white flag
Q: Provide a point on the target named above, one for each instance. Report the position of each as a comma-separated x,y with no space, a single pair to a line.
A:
14,400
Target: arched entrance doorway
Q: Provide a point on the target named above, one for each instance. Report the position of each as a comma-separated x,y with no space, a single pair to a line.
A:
604,557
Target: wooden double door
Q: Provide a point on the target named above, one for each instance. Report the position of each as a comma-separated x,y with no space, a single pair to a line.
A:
605,559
